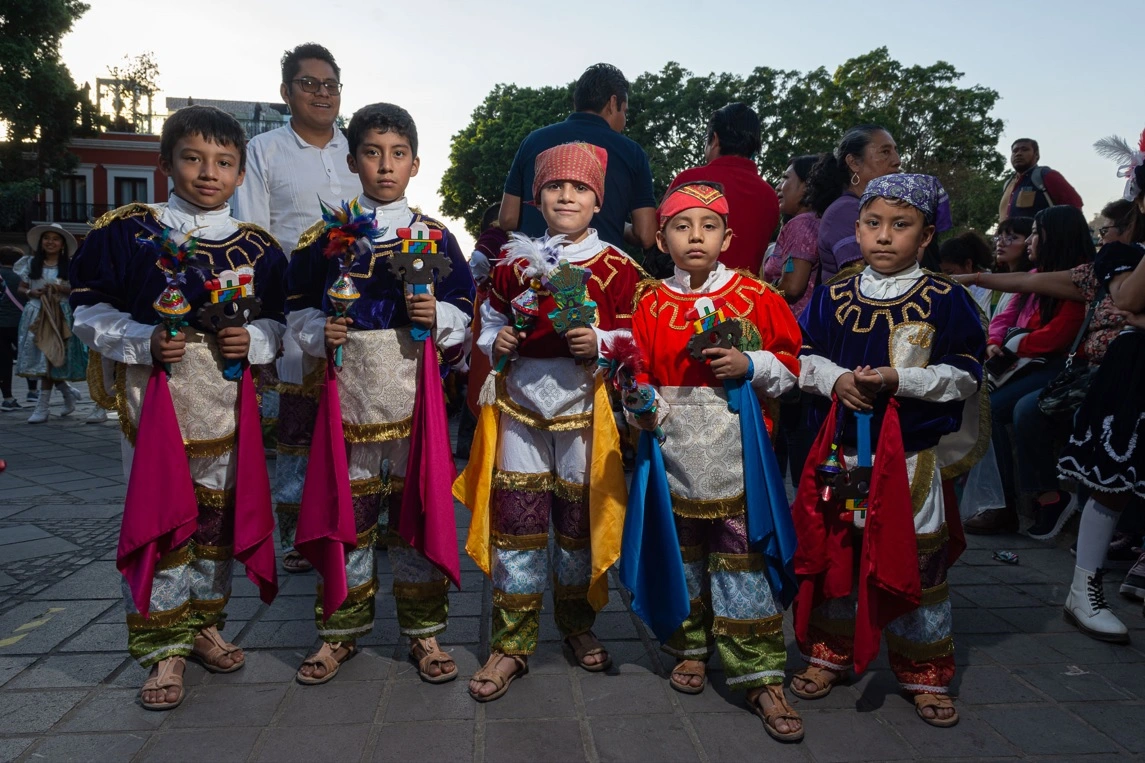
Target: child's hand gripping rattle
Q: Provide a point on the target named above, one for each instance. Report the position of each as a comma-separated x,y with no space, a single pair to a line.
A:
233,305
623,364
350,233
176,252
418,262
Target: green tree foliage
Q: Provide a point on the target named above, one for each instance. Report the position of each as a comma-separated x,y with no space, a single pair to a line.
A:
39,101
941,127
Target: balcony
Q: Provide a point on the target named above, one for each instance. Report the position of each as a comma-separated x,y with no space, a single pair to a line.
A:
65,212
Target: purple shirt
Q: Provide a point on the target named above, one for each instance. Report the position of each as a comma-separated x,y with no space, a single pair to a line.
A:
837,243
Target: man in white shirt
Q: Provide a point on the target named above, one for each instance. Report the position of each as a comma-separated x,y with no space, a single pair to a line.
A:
288,171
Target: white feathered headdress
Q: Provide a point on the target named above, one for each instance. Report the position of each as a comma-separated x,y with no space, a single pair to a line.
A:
540,256
1131,161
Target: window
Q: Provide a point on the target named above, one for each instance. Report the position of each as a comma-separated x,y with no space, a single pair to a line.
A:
71,201
129,189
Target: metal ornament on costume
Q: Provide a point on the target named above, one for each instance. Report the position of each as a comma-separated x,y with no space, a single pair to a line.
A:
418,262
233,305
712,327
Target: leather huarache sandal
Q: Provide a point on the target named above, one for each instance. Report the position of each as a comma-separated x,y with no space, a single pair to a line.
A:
585,645
209,647
294,562
688,668
779,710
936,702
425,653
165,678
328,656
822,677
489,674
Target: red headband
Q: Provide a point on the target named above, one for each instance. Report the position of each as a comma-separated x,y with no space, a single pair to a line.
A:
578,162
692,196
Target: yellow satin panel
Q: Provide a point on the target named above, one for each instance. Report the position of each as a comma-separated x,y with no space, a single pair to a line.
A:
474,486
607,495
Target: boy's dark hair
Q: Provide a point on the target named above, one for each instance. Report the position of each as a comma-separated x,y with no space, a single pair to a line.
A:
967,246
597,85
214,125
292,60
1031,141
738,128
1064,242
383,117
10,255
831,175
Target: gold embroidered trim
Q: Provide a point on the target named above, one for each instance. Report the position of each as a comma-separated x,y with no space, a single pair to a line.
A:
519,542
572,544
736,563
292,450
929,543
897,645
287,508
923,479
692,554
214,553
536,420
394,430
518,602
137,622
120,213
209,448
214,499
209,606
718,508
540,482
366,538
570,491
95,380
368,486
432,590
310,235
176,558
936,595
356,594
258,230
767,626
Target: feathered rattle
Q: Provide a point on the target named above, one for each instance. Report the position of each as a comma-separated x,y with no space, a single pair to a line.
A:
350,232
176,252
623,364
1128,159
540,260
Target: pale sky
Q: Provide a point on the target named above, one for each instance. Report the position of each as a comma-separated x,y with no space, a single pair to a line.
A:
1066,72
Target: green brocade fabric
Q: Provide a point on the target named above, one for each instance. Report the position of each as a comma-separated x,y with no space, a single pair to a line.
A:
573,616
352,621
745,656
423,617
691,641
150,645
515,632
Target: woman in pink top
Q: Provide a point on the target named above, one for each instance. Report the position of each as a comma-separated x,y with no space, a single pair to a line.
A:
792,264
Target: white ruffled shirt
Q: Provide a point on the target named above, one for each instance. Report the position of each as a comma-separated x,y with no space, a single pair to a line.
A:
117,336
938,383
308,326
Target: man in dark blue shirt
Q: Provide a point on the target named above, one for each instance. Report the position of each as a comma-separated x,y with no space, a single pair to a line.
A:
600,108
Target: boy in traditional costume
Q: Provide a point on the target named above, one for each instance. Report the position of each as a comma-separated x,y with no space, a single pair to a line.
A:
377,290
713,342
915,343
546,446
198,494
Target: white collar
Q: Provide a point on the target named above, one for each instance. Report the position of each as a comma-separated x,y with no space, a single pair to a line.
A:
334,141
681,280
388,217
878,285
210,224
587,248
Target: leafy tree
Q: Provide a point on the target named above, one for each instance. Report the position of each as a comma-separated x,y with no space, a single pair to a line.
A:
940,127
39,102
131,83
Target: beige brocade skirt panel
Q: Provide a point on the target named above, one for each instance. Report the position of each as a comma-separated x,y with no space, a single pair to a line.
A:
703,454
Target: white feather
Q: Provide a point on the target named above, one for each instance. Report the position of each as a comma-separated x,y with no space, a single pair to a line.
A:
541,257
1115,148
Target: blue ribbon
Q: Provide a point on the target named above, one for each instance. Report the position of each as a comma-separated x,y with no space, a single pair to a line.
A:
419,333
770,529
650,563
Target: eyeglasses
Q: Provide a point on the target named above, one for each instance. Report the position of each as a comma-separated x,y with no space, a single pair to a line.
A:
1106,228
312,86
1007,239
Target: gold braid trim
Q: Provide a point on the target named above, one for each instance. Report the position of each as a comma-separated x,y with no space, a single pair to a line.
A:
176,558
897,645
95,386
122,213
936,595
975,454
421,590
210,606
736,563
394,430
692,554
519,542
214,553
310,235
834,627
258,230
923,478
366,538
209,448
539,482
929,543
287,508
849,271
717,508
643,287
570,491
157,620
518,602
768,626
572,544
311,381
292,450
536,420
368,486
214,499
356,594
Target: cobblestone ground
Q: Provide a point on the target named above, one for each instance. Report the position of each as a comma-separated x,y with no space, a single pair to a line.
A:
1029,686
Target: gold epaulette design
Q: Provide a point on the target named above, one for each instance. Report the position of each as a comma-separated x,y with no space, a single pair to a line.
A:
643,287
261,232
310,235
754,280
135,209
851,270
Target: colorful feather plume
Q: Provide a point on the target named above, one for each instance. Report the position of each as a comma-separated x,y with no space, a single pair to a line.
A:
175,251
621,356
349,231
540,257
1129,161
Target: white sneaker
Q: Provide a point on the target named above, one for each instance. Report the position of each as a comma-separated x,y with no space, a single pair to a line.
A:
1085,607
70,398
97,416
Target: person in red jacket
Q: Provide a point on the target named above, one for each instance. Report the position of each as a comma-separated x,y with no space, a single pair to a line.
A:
1033,187
733,139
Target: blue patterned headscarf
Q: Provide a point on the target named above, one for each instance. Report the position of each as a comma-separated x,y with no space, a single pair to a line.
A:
923,192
